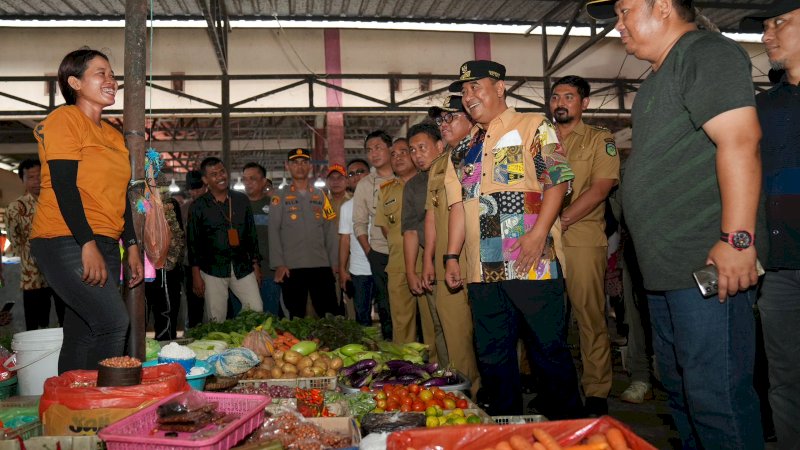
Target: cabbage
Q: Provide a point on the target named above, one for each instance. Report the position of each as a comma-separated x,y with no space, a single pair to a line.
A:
206,347
151,349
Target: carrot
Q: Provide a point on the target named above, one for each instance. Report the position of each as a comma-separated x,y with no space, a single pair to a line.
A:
546,439
538,446
597,446
616,440
597,438
520,443
503,445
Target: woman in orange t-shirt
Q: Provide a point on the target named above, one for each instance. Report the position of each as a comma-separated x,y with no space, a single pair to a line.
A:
83,211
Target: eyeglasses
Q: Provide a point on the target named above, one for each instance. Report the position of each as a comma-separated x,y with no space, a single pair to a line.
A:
357,172
447,118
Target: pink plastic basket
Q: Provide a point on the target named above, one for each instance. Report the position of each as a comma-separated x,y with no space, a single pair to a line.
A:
135,432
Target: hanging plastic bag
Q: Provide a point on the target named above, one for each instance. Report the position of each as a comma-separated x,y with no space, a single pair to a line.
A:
156,235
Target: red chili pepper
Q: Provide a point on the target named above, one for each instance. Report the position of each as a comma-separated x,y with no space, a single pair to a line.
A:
21,443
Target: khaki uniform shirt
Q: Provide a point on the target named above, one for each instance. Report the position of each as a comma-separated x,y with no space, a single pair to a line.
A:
337,205
365,200
20,218
389,214
592,154
506,170
436,201
301,231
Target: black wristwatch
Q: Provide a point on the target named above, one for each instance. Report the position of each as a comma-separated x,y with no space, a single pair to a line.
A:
739,240
449,256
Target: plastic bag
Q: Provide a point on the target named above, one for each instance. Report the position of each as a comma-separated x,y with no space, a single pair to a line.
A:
5,374
151,349
157,234
183,403
76,389
234,361
205,348
476,437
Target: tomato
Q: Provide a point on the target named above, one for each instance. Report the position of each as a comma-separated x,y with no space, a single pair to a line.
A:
387,387
392,405
381,396
381,404
405,408
439,395
414,388
418,406
407,401
449,403
462,403
364,389
430,402
425,395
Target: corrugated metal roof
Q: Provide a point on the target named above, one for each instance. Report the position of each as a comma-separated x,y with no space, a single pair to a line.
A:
726,14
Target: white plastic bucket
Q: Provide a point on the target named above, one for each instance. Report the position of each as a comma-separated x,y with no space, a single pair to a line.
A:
35,358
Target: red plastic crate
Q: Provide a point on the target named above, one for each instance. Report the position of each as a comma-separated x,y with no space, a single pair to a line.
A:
135,432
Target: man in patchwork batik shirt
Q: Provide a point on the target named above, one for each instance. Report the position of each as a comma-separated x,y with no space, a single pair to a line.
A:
505,200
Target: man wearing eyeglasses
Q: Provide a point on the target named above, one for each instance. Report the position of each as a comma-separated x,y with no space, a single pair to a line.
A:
356,170
303,245
355,275
369,236
451,305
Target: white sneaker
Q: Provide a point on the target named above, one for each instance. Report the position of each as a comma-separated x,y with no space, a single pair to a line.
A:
637,392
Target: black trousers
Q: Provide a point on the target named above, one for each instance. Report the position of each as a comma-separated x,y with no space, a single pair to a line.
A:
316,281
95,320
534,310
377,264
164,300
194,305
37,308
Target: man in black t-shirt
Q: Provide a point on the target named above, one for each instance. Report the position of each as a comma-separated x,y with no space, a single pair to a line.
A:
690,196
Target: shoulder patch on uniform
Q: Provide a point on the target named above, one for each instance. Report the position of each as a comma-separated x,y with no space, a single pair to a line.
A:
611,148
276,200
389,183
599,128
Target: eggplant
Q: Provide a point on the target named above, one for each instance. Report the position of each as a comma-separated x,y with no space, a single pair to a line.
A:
397,364
436,381
413,369
366,364
431,367
409,378
362,380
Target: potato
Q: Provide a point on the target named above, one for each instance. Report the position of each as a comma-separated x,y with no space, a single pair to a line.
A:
276,372
268,363
306,372
321,364
336,363
314,356
318,371
278,355
292,357
262,374
330,373
305,362
289,368
288,376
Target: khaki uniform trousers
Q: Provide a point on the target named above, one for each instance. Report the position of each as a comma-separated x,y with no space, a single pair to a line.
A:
585,279
456,317
403,305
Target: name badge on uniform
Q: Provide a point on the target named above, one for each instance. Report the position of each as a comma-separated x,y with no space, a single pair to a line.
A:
391,218
233,237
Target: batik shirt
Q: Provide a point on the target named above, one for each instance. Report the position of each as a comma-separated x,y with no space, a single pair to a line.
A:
20,219
502,181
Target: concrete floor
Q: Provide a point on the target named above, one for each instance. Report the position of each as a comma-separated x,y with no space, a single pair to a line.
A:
650,420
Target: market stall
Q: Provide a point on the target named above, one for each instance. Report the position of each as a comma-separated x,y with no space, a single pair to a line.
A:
256,382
